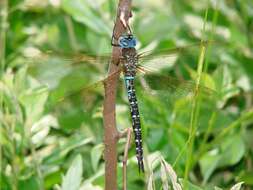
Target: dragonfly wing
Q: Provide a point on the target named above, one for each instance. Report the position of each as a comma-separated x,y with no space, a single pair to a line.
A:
162,98
71,80
165,100
166,58
175,87
51,68
76,105
159,62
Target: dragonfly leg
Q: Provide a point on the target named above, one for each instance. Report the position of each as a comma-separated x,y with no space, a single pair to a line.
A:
113,39
124,16
126,26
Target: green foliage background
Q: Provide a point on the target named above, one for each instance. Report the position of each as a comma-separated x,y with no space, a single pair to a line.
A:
41,136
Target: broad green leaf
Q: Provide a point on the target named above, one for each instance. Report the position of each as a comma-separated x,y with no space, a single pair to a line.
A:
59,153
209,164
224,84
33,101
30,183
82,12
72,180
41,128
96,153
231,151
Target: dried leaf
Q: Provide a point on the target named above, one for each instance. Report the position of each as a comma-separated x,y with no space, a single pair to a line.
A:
237,186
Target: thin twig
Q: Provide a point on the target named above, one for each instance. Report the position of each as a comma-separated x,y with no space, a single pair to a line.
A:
128,134
110,130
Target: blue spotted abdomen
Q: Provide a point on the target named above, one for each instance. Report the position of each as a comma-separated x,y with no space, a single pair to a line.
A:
136,124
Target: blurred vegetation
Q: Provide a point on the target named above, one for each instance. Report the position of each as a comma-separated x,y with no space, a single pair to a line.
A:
43,138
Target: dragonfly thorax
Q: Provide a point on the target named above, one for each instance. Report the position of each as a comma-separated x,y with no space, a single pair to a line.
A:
130,61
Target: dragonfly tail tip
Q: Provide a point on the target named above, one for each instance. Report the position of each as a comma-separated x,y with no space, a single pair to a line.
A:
141,166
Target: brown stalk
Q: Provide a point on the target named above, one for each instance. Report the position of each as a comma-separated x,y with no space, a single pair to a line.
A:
111,134
127,133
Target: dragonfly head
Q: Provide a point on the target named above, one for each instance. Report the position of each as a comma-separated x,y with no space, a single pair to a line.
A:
127,41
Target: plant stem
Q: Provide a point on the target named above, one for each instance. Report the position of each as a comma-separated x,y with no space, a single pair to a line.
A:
195,107
128,134
110,130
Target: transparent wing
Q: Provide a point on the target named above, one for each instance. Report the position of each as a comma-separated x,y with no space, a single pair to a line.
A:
165,100
75,102
153,80
77,94
76,87
79,78
70,72
167,58
59,63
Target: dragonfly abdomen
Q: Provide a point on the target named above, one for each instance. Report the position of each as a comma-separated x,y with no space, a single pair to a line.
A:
136,124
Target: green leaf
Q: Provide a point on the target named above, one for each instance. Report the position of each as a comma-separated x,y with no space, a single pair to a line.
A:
81,12
41,128
231,151
30,183
72,180
33,101
96,154
224,84
209,164
59,153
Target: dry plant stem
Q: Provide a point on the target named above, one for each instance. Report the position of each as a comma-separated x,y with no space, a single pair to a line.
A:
110,130
128,134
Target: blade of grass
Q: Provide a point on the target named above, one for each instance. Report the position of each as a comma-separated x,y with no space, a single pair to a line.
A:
211,37
208,52
195,107
206,135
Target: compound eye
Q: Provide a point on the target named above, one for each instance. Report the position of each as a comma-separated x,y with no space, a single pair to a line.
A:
127,41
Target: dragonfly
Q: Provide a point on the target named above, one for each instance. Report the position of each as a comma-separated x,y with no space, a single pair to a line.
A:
138,70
